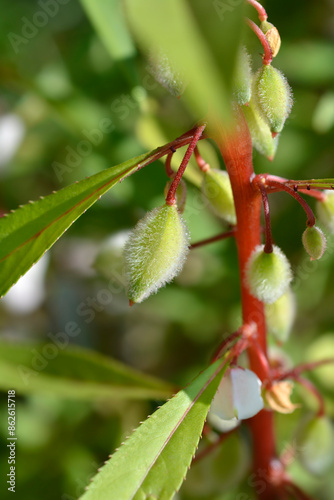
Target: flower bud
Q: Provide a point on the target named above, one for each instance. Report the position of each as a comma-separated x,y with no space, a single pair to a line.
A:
280,316
262,138
216,188
314,242
268,275
155,251
242,78
315,441
325,211
273,96
272,35
180,195
238,397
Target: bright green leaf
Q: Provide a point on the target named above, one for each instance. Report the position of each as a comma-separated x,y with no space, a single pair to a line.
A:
153,462
28,232
73,373
108,20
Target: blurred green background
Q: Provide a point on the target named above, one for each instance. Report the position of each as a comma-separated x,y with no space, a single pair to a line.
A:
75,100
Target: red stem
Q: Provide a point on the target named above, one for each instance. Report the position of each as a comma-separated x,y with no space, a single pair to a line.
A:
261,11
236,149
268,55
170,198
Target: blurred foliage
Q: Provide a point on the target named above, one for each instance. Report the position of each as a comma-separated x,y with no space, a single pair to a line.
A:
58,84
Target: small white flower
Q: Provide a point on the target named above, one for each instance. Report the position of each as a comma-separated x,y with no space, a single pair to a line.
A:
238,397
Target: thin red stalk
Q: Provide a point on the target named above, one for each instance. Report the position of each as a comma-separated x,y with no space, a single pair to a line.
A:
262,358
295,372
168,168
225,343
236,149
308,185
180,142
313,390
245,332
314,193
261,11
268,247
211,447
218,237
301,201
203,165
170,198
296,491
267,181
268,55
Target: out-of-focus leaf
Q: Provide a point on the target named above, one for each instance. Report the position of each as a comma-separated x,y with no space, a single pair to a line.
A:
152,463
323,118
308,63
75,373
108,20
168,27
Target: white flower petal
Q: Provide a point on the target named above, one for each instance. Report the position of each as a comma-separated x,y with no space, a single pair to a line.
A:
246,393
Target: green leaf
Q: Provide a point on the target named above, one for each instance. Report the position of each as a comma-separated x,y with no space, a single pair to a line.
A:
181,41
74,373
32,229
108,20
153,462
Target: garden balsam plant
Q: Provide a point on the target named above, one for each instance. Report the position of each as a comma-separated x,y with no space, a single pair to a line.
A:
153,462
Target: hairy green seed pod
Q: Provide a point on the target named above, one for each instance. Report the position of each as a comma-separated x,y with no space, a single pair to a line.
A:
280,316
262,138
273,96
216,187
273,37
315,442
314,242
180,195
268,275
155,251
242,78
325,211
